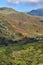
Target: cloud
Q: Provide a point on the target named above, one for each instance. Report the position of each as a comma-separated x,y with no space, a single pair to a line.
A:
29,2
13,1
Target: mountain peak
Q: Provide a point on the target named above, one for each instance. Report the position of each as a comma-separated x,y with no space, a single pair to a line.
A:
40,9
37,12
5,8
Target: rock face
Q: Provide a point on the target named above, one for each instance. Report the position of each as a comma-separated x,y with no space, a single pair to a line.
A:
38,12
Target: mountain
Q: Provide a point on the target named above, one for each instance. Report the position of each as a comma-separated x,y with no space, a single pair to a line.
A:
21,38
38,12
17,25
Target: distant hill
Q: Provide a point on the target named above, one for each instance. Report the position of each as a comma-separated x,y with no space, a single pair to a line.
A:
38,12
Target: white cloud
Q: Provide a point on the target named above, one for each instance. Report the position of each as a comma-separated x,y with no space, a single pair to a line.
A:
34,0
30,2
13,1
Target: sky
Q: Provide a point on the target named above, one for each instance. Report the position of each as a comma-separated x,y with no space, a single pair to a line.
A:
22,5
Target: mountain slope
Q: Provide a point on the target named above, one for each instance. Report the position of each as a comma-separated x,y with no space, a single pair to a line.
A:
16,46
18,24
38,12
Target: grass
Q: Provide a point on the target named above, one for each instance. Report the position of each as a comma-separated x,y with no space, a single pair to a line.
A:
27,54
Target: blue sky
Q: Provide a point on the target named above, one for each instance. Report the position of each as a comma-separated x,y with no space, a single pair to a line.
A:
22,5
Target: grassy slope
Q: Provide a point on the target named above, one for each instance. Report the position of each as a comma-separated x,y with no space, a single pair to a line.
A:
29,54
31,25
6,28
25,24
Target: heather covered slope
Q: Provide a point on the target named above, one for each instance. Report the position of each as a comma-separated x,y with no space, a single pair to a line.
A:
16,24
6,29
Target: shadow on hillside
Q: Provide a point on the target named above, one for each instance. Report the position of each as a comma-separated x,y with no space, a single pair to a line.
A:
5,42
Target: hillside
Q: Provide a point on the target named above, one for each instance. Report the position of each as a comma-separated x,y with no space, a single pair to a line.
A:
21,22
21,38
27,54
18,25
37,12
